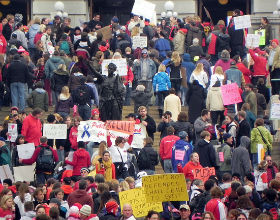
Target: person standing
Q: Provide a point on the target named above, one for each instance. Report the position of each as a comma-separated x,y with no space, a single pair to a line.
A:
147,121
275,70
201,123
251,98
172,103
243,128
193,164
271,168
17,77
234,75
162,45
265,25
127,213
260,66
179,39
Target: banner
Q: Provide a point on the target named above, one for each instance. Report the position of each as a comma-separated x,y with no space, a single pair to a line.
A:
275,111
165,187
230,94
261,153
120,63
25,151
139,41
143,8
92,130
242,22
114,134
138,137
24,173
12,132
253,40
126,127
55,131
136,198
6,173
261,33
204,173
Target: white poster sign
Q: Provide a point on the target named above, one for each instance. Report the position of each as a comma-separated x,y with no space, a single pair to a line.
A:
12,132
139,134
275,111
120,63
25,151
242,22
24,173
143,8
91,130
6,173
139,41
252,40
55,131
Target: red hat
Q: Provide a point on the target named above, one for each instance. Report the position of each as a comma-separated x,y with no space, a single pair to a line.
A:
21,49
111,207
78,205
275,41
94,111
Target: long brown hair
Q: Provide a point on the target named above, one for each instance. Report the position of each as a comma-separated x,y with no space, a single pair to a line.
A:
22,190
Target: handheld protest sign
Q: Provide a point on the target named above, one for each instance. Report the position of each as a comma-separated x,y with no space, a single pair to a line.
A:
204,173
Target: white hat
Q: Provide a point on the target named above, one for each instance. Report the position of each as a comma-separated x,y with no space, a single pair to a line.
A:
85,210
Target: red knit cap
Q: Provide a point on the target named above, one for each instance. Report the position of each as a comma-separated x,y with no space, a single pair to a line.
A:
111,207
275,41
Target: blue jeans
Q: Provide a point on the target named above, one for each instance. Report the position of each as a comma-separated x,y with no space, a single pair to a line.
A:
84,112
17,94
41,178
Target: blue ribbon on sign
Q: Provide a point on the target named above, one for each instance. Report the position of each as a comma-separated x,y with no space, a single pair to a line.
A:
86,127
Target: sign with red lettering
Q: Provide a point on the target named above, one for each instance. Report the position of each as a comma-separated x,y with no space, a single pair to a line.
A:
230,94
92,131
126,127
204,173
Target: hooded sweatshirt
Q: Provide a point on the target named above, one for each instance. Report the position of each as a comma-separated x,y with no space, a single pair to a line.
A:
28,215
80,196
32,129
188,65
38,99
64,104
33,30
206,152
52,65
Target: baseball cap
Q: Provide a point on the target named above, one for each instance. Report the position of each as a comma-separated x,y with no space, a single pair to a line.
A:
184,206
183,134
226,136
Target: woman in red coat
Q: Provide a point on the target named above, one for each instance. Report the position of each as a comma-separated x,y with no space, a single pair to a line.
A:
7,208
193,164
73,135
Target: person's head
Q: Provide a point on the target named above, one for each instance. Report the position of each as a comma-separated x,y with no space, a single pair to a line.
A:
148,141
77,121
172,91
85,211
112,207
241,115
7,183
175,58
38,194
124,186
241,191
244,202
167,115
183,117
43,140
170,130
28,206
254,213
274,43
127,211
205,135
120,141
102,187
40,209
245,107
216,192
205,114
82,184
263,216
241,216
54,202
6,202
183,135
185,211
198,183
6,192
259,122
99,178
277,176
228,138
268,159
207,216
96,17
131,182
152,215
226,178
219,70
194,157
264,20
232,214
84,172
249,87
209,184
106,156
198,69
142,110
37,113
48,30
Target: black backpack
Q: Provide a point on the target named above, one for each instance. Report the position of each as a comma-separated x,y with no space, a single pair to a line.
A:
198,203
45,160
82,95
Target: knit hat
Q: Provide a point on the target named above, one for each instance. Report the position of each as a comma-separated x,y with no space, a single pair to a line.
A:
95,111
21,49
78,205
111,207
275,41
14,108
74,211
183,134
85,210
115,19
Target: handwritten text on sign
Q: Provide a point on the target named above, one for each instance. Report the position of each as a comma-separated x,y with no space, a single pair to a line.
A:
165,187
230,94
204,173
12,132
139,134
121,126
242,22
136,198
120,63
253,40
139,41
92,130
55,131
275,111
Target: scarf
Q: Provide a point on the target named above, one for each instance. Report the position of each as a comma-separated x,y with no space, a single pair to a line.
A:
108,170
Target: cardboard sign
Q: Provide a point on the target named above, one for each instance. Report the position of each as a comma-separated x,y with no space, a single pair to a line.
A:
252,40
138,137
136,198
126,127
114,134
143,8
24,173
204,173
120,63
92,130
165,187
55,131
12,132
230,94
6,173
139,41
261,153
261,33
70,158
275,111
25,151
242,22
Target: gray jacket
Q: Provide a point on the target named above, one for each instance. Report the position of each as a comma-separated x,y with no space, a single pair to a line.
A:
138,69
199,126
21,37
240,162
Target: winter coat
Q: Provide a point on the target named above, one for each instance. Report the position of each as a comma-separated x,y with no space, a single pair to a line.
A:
33,30
52,65
123,44
224,157
17,72
235,76
138,69
147,158
74,81
271,172
256,138
140,98
59,79
261,104
163,46
243,130
128,77
181,153
161,82
95,100
81,158
38,99
251,99
73,135
206,152
189,168
240,157
80,196
260,64
261,182
28,215
188,65
172,103
20,204
223,42
195,99
183,126
222,63
151,127
3,44
193,32
236,36
179,41
195,51
162,128
166,145
21,37
7,31
214,101
202,78
32,129
247,74
175,71
217,207
64,104
46,41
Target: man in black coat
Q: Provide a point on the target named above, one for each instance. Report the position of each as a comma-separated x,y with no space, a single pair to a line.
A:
147,121
244,128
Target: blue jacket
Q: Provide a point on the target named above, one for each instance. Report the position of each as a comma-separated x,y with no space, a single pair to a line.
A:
31,34
165,62
234,75
163,46
188,65
161,82
181,147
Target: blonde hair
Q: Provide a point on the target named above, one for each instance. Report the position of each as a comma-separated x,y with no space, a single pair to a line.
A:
198,69
101,148
65,91
10,17
161,68
117,55
42,28
75,59
124,186
62,67
4,200
129,179
39,61
176,58
135,31
219,70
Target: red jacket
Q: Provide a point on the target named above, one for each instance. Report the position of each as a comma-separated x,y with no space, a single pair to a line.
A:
217,208
3,44
6,214
32,129
80,196
247,74
73,135
260,64
37,37
36,154
81,159
165,147
212,44
129,77
271,171
189,168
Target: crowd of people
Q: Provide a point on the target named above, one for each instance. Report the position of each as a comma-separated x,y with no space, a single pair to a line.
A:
185,63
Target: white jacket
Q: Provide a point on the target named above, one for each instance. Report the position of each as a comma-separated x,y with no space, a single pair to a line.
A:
20,204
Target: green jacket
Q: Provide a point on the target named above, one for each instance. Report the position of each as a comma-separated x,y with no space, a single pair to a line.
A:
256,139
5,155
38,99
224,157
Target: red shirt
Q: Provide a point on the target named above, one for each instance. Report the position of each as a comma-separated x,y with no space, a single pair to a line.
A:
165,147
260,64
32,129
246,72
73,137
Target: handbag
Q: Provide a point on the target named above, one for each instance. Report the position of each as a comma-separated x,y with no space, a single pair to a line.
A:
121,170
264,141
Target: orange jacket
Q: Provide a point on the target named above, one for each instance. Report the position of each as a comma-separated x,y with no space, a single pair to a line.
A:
189,169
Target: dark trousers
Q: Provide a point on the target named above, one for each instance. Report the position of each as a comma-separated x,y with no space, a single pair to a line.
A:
275,81
84,111
176,84
256,78
215,115
41,178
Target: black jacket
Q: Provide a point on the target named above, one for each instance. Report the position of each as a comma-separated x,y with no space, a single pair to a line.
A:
83,95
183,126
223,42
17,72
244,129
162,128
151,127
7,31
206,152
148,158
140,99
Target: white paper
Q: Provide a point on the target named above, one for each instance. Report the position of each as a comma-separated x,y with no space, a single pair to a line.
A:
139,41
70,158
120,63
275,111
13,133
92,130
25,151
242,22
139,134
24,173
253,40
144,8
55,131
6,173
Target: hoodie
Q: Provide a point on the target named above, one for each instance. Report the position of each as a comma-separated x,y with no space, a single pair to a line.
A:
80,196
60,78
206,152
188,65
38,99
28,215
64,104
33,30
20,204
52,65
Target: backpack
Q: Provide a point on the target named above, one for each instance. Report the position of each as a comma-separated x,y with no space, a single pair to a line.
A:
198,203
274,213
45,160
65,47
82,95
144,161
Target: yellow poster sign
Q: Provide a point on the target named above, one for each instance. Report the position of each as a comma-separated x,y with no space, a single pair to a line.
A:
136,198
165,187
261,32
